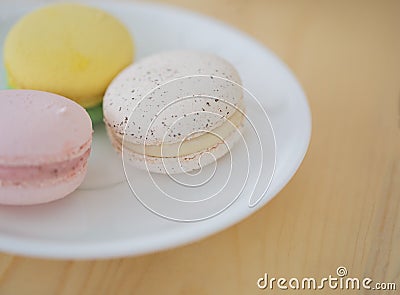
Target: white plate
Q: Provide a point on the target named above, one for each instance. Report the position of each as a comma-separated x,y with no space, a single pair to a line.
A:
103,218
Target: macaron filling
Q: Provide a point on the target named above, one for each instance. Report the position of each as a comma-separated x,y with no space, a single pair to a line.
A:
37,174
188,146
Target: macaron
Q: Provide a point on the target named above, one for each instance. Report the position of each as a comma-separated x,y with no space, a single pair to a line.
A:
44,147
69,49
168,111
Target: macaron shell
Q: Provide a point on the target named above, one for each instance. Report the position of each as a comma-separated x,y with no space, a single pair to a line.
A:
95,114
168,96
69,49
39,127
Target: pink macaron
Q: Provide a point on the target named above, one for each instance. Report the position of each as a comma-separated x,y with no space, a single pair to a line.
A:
45,143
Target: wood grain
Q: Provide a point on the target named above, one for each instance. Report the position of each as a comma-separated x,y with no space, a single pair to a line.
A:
342,206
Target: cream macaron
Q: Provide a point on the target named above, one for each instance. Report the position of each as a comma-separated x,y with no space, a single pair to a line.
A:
167,111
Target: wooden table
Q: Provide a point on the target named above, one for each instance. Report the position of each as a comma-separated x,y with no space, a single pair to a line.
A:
343,205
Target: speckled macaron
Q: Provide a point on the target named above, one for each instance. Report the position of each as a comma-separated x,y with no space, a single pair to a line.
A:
168,110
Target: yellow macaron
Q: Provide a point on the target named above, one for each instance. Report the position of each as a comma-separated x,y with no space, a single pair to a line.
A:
69,49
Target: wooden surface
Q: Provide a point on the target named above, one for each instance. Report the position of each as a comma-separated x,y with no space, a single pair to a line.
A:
341,208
